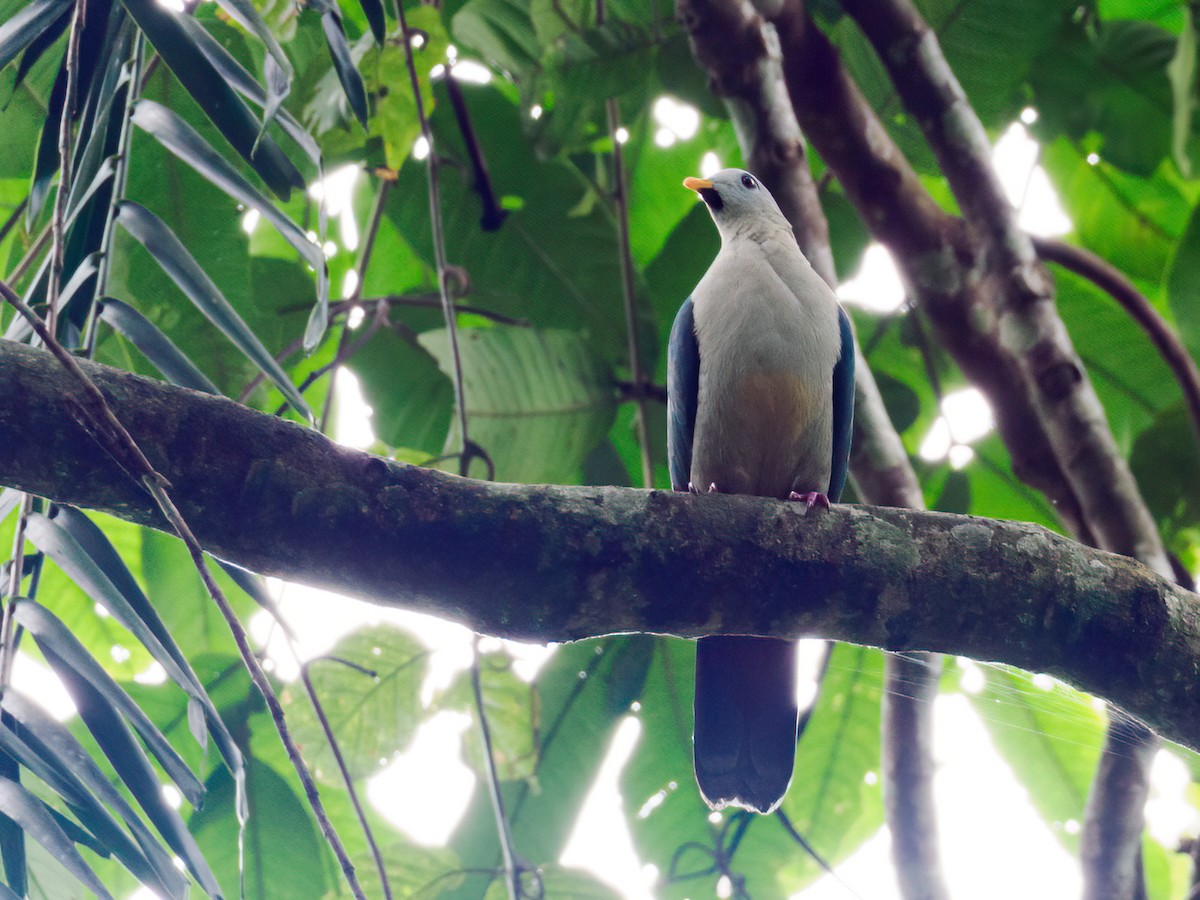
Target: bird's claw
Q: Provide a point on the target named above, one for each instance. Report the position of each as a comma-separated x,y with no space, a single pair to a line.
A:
713,489
810,499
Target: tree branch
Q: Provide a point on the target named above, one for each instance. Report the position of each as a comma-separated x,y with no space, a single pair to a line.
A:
557,563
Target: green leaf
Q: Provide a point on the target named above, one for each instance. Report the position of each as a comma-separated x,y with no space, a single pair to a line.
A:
347,72
537,401
601,62
101,705
501,31
159,349
1167,465
1132,222
1183,285
374,716
284,855
75,666
509,706
185,142
1181,72
19,32
583,692
145,858
96,564
36,819
183,269
173,36
395,111
373,10
560,881
1051,737
833,800
410,398
554,260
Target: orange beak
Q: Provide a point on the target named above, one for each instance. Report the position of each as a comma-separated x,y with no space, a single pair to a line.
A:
697,184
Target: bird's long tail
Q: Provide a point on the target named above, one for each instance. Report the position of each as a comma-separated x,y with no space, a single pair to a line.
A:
746,712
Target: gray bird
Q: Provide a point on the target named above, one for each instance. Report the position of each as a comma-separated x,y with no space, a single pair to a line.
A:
760,397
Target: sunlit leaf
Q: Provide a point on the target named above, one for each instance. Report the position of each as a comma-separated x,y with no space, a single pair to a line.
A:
374,713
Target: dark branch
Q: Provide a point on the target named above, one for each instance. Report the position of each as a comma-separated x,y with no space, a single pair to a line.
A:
556,563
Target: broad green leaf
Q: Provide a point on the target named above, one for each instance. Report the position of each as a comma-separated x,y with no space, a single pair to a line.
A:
175,589
173,36
1183,285
583,693
394,119
1129,374
1132,222
502,32
409,868
663,806
508,703
836,800
373,715
537,401
183,269
601,62
410,398
1166,462
284,854
554,260
1051,736
35,818
1113,82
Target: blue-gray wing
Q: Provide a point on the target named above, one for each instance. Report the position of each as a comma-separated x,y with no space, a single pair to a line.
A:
843,408
683,388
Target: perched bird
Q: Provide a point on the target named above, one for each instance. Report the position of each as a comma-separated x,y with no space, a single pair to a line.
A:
760,394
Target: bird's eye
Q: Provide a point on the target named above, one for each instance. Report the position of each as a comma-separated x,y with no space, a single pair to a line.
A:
749,182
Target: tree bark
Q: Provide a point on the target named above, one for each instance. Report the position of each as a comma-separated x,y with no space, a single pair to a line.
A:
549,563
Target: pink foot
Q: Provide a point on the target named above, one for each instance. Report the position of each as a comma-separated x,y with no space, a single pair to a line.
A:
810,499
713,489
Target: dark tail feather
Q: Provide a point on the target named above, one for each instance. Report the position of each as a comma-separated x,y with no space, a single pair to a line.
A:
745,738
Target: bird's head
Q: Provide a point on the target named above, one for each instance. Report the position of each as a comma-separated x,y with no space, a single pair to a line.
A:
737,201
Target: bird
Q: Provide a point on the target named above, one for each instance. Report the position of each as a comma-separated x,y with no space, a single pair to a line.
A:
760,397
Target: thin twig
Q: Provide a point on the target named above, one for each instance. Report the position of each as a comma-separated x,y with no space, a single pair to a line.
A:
340,760
621,201
1113,282
493,213
439,242
513,867
122,447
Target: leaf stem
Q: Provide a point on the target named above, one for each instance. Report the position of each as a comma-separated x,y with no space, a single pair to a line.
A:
439,242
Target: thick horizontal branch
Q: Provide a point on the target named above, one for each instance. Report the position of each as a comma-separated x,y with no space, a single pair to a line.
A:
560,563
